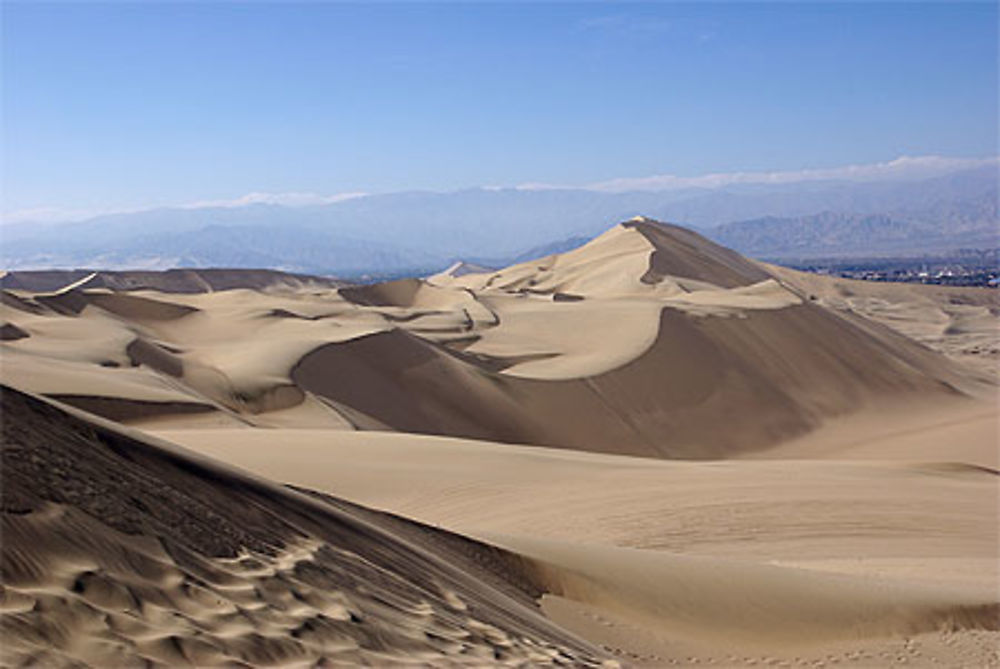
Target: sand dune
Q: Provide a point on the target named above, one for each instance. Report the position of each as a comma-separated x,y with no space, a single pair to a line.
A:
759,371
695,507
657,333
960,322
169,281
692,555
119,550
817,481
748,605
10,332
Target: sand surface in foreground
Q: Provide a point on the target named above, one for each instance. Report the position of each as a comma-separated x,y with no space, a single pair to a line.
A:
121,550
866,546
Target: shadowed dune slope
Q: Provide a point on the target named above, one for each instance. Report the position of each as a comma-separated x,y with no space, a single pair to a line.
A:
707,386
119,549
10,332
13,301
962,323
72,301
169,281
400,293
684,253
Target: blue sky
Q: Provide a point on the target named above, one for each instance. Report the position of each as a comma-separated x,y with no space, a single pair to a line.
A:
110,106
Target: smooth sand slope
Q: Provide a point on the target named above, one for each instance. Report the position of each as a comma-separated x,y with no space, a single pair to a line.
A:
960,323
817,483
782,558
119,550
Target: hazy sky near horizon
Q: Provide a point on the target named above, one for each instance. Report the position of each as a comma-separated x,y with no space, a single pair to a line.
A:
109,106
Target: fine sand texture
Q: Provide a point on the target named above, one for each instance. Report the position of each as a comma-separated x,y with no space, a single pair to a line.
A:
119,550
648,450
777,559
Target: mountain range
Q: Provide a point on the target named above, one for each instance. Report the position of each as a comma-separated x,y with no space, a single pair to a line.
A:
421,231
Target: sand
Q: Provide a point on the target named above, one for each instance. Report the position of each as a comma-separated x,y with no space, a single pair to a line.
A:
122,550
648,448
960,323
871,551
600,349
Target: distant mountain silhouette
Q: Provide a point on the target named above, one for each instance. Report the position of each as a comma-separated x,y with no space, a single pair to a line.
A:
428,231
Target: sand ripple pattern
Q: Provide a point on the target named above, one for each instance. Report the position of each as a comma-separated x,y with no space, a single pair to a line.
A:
96,570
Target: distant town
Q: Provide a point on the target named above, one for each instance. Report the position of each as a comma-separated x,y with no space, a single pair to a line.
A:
964,267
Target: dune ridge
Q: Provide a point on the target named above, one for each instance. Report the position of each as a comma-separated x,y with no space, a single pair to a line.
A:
160,556
167,281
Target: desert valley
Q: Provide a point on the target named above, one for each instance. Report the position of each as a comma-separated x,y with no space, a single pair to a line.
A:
646,451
